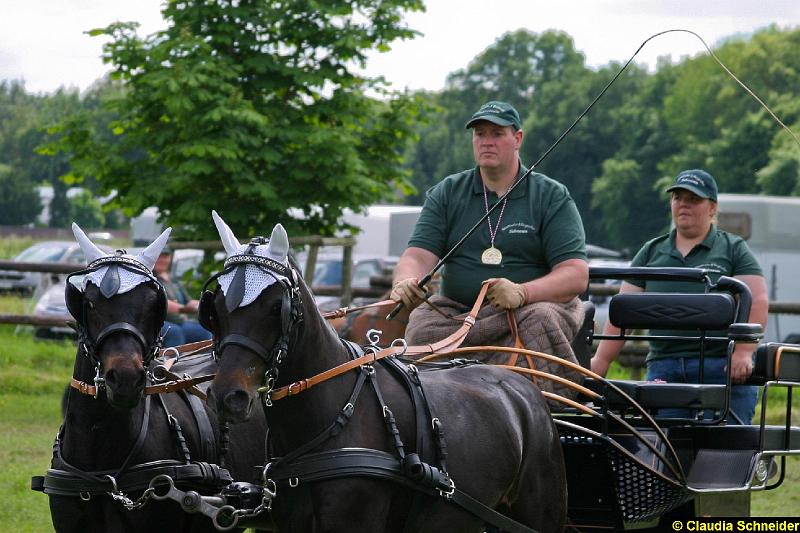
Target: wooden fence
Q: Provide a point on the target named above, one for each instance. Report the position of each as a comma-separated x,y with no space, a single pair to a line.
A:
632,354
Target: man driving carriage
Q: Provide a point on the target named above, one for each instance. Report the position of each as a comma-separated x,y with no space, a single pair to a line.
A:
696,242
531,251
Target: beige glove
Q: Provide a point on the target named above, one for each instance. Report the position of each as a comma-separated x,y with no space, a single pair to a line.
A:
505,294
406,291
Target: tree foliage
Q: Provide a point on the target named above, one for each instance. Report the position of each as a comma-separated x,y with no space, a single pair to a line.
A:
19,201
645,129
250,108
86,211
255,108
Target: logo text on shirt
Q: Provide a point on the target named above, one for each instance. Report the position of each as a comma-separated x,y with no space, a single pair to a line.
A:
518,227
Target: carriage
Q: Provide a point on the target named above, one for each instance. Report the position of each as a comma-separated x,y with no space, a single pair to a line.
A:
624,465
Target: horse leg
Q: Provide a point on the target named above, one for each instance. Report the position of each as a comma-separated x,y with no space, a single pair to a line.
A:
541,490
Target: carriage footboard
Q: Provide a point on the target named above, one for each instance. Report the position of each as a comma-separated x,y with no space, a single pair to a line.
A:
635,489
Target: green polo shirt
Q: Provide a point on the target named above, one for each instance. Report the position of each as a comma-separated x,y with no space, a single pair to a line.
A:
721,253
540,227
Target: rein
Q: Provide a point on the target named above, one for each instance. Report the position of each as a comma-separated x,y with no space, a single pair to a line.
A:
173,385
343,311
451,346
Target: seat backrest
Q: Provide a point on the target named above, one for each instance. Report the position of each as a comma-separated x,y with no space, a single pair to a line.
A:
703,312
582,343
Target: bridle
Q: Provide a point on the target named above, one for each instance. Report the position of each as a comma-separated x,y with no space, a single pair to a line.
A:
77,306
291,312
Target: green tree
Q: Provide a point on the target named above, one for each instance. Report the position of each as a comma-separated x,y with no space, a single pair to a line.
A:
618,196
19,199
86,211
516,68
250,108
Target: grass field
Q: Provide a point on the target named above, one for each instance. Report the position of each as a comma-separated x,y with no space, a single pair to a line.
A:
32,377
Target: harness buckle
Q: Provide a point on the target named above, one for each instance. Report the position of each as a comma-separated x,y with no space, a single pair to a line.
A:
99,381
297,387
449,491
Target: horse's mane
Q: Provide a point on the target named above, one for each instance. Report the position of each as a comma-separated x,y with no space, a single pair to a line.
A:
308,300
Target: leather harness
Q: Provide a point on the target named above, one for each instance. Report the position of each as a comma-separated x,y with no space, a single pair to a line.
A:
408,469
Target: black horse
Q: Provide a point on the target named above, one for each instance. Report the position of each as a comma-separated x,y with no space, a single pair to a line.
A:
502,447
115,438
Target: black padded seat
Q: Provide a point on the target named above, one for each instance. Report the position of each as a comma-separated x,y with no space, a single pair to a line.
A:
651,310
652,395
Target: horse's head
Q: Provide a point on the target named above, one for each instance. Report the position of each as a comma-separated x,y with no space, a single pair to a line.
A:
255,315
119,308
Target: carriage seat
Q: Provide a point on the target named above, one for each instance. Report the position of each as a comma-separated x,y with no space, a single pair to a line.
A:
661,395
677,311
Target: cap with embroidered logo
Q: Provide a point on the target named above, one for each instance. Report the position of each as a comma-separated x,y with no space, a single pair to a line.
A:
697,181
500,113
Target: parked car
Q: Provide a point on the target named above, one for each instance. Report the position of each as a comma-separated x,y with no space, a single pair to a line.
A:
53,305
328,272
26,283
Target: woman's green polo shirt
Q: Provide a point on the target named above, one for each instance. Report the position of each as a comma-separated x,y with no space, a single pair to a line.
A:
540,228
721,253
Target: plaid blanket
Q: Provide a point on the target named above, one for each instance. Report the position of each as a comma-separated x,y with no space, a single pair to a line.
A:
547,327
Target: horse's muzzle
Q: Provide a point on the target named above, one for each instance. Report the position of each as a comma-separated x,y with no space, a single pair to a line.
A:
232,406
125,386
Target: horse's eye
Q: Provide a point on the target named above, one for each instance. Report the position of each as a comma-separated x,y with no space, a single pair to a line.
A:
90,306
276,309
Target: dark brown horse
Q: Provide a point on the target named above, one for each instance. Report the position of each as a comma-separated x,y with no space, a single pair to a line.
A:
356,326
502,448
115,438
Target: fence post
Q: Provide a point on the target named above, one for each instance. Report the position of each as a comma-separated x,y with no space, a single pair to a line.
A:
311,263
347,274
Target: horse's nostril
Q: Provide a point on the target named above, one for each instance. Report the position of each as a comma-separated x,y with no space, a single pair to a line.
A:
111,377
237,401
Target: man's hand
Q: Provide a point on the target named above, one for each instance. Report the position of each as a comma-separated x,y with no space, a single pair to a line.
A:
742,363
406,291
505,294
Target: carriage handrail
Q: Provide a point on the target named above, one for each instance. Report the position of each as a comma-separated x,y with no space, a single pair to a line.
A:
450,346
724,283
649,273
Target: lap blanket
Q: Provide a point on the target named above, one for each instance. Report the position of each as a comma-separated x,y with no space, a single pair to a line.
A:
547,327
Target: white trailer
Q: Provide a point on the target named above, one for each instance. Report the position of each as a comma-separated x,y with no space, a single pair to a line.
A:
771,226
385,229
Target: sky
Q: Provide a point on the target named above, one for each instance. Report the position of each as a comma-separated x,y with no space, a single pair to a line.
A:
43,42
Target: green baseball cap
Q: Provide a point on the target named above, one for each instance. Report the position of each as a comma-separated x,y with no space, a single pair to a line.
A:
697,181
500,113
